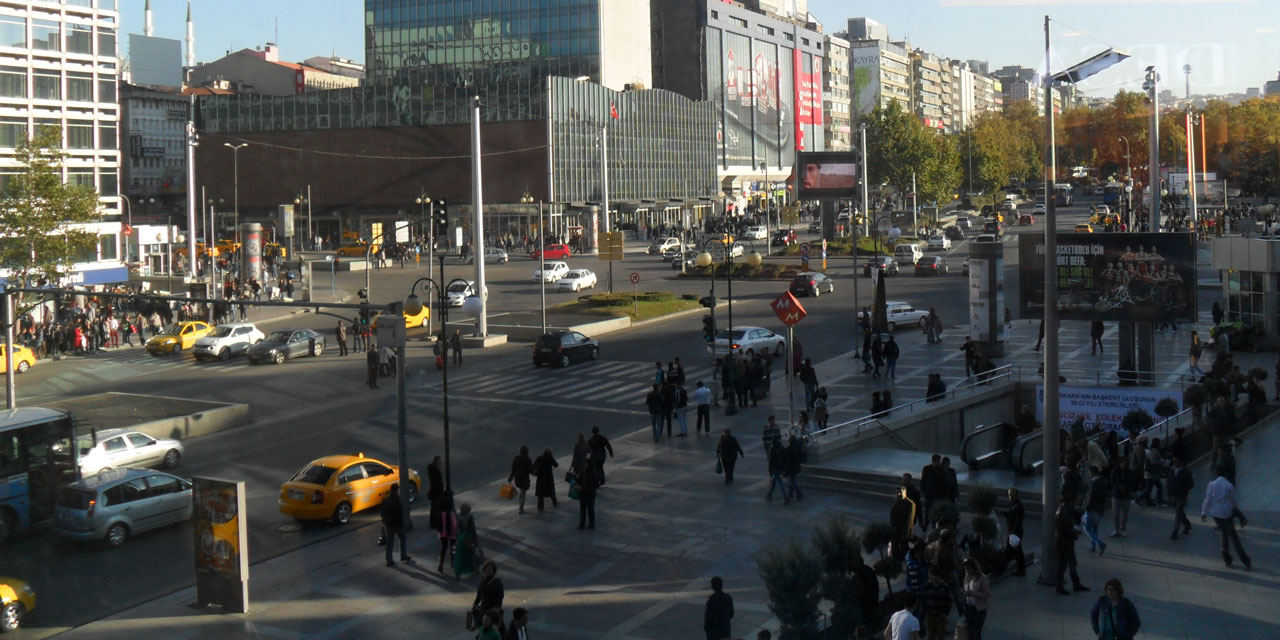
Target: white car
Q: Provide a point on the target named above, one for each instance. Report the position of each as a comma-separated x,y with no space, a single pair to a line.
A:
458,292
662,244
121,448
756,233
554,271
1038,208
716,249
576,280
902,314
227,340
492,255
939,243
748,341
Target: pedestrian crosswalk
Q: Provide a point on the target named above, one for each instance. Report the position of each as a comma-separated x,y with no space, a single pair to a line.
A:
609,382
124,363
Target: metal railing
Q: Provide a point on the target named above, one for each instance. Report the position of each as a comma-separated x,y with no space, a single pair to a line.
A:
1025,455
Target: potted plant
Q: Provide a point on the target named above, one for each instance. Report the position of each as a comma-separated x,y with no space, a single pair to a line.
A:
1166,408
791,575
945,515
838,547
1135,422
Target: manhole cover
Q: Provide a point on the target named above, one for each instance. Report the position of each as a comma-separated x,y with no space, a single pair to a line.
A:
288,527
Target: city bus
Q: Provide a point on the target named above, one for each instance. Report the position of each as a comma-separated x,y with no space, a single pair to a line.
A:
1112,193
37,459
1062,195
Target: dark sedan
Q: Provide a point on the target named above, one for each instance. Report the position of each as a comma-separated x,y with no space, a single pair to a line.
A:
563,347
286,343
931,266
887,265
812,284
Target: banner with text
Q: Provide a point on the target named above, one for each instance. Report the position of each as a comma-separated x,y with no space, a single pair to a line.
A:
1104,405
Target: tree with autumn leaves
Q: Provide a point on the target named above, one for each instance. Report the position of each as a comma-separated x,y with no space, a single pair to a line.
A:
39,211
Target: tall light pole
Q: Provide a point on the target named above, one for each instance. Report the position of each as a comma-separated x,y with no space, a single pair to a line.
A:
235,160
766,201
1051,454
1128,175
527,199
1152,87
128,223
299,200
425,202
704,260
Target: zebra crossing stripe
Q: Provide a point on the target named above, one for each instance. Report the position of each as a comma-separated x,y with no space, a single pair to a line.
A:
607,387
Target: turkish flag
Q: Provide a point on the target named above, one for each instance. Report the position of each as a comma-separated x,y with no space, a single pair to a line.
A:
613,110
128,230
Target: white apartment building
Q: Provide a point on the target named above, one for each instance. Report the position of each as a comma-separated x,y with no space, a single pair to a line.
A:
836,121
880,73
59,66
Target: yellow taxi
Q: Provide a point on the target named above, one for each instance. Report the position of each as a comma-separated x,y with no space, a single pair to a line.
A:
1083,228
177,336
23,359
356,249
17,599
410,321
274,249
201,250
227,245
334,487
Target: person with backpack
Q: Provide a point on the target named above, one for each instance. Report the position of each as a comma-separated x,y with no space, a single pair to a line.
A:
1113,616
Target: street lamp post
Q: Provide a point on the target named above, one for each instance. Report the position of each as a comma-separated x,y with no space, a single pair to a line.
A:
235,160
767,200
705,260
129,223
542,259
1152,86
1128,177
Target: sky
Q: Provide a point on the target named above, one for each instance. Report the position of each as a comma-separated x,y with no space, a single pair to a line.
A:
1230,44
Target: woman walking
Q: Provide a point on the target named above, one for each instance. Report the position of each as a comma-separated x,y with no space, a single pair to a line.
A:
489,595
464,556
545,486
1194,355
1114,617
977,598
448,532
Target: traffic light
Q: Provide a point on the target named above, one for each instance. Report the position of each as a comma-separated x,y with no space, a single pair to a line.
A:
441,220
708,328
707,301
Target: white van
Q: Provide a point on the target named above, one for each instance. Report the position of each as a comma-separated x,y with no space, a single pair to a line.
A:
907,253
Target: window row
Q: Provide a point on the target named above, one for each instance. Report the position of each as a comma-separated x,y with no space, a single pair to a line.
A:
48,84
51,35
78,134
107,181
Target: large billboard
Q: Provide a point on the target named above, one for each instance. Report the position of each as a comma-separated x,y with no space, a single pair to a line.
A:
1122,277
221,543
154,62
1103,405
827,174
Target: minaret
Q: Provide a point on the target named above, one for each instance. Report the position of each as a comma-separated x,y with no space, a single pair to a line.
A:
191,38
147,30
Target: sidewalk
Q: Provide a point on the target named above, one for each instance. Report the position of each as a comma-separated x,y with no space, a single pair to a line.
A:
666,523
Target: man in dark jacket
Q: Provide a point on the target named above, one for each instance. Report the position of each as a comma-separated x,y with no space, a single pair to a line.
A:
1064,544
795,458
891,353
392,515
371,366
777,467
435,489
1095,505
599,446
1180,484
668,405
950,484
653,401
1013,518
341,334
521,468
718,616
728,451
809,378
931,488
1095,337
588,482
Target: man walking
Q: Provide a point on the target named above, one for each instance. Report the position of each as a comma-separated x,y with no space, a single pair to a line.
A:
341,334
1095,337
1220,504
930,488
455,342
809,378
891,353
371,367
653,401
1064,543
717,619
702,398
1095,506
392,514
1013,523
599,446
777,466
970,355
1180,484
728,451
681,408
588,483
521,468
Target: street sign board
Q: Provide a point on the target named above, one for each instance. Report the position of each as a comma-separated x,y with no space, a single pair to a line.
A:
611,245
788,309
635,278
804,249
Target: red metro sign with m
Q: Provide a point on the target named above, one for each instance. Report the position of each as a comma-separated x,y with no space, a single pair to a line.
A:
788,309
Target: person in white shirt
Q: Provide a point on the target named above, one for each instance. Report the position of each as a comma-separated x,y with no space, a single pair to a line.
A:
904,625
702,398
519,627
1220,504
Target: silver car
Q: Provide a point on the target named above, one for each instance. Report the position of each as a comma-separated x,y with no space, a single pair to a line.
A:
113,505
120,448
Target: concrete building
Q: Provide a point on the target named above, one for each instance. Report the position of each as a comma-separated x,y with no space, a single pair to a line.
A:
259,71
1020,84
154,169
59,67
867,29
963,95
880,73
794,9
836,122
988,92
927,73
1272,87
336,66
764,73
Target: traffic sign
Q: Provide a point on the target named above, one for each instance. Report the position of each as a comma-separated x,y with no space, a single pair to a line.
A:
804,249
611,245
788,309
635,278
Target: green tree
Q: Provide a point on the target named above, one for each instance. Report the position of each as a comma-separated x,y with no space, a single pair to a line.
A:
791,575
941,174
898,146
39,210
837,544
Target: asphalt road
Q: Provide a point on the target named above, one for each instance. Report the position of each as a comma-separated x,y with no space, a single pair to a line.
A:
312,407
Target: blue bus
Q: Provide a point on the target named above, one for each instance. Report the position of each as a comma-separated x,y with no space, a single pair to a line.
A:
37,459
1112,193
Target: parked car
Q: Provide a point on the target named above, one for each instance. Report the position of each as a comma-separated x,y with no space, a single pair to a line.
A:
17,601
283,344
576,280
1026,220
457,292
887,266
902,314
554,271
662,244
492,255
227,340
114,505
553,251
811,284
748,341
783,238
23,359
122,448
562,347
335,487
756,233
939,243
177,336
931,266
953,233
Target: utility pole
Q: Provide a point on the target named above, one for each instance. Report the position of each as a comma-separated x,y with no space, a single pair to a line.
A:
1152,85
477,226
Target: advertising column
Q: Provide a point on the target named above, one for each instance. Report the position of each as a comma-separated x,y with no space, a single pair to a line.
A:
986,297
251,252
221,544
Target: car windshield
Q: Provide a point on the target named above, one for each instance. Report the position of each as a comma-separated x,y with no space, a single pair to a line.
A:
221,332
75,498
458,287
172,330
313,474
278,336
